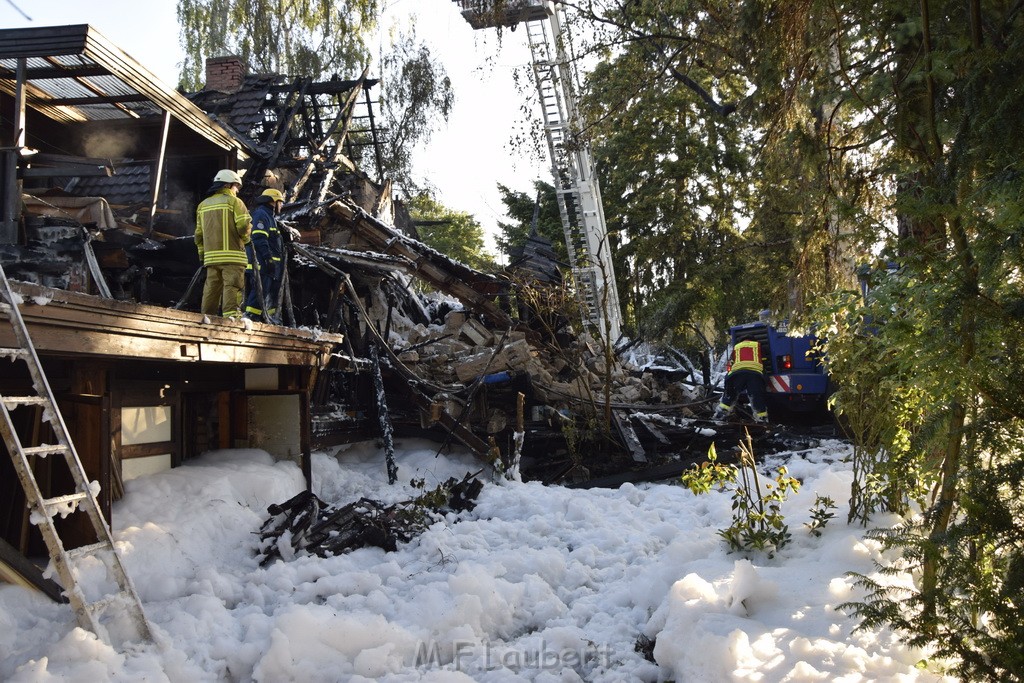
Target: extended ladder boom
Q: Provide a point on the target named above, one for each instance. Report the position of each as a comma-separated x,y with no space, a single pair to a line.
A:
572,166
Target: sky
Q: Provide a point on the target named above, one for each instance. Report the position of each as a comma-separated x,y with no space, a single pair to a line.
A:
537,583
467,157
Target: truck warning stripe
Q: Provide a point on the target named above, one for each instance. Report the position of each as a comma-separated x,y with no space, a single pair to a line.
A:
778,384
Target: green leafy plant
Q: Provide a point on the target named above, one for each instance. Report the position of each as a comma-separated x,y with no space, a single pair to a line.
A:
709,474
821,514
757,520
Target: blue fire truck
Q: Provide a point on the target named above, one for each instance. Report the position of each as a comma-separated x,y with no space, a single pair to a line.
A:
795,375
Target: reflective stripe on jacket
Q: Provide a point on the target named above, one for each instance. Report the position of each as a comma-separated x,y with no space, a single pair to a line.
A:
222,229
747,356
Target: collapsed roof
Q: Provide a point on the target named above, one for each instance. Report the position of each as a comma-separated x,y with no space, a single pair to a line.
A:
482,363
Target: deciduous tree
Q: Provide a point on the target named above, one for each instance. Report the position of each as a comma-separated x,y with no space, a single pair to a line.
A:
453,233
297,37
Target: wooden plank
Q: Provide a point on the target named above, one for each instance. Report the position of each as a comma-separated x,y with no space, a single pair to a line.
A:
97,99
78,324
144,81
55,72
15,568
43,41
65,171
145,450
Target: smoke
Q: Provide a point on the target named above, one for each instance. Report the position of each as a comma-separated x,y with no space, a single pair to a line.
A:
110,144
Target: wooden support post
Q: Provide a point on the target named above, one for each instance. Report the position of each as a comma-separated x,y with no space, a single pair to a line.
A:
286,295
305,435
94,268
373,133
224,419
12,189
159,172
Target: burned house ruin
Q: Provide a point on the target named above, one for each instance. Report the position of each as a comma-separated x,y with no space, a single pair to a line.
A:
382,337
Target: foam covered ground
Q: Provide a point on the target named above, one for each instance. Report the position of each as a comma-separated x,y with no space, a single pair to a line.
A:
536,584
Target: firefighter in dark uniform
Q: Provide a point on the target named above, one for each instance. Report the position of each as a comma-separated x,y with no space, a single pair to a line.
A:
746,374
265,255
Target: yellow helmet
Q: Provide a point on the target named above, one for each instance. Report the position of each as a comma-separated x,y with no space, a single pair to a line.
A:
273,194
227,176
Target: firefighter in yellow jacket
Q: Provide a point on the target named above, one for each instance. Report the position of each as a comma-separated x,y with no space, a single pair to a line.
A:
746,374
223,228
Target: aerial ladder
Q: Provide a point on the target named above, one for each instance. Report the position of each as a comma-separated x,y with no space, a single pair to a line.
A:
572,166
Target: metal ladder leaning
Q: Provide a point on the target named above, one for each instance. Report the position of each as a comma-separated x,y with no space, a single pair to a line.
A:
88,612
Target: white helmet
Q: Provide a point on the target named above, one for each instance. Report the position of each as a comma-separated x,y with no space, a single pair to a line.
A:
227,176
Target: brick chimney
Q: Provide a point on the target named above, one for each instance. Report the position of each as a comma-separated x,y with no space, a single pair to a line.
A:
224,73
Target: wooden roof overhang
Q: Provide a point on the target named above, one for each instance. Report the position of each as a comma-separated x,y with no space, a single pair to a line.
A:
74,74
71,324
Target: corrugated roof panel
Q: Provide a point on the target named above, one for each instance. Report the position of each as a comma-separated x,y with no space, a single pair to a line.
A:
102,112
86,54
60,88
109,85
71,60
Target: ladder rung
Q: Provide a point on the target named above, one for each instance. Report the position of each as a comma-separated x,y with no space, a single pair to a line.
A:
102,604
13,353
64,500
15,401
87,550
45,449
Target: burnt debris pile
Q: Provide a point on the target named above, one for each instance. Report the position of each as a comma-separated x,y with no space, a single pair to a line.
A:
306,524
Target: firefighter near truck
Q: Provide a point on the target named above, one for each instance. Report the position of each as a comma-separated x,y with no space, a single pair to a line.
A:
796,379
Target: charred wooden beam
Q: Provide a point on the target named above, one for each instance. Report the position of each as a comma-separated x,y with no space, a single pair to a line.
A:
78,170
628,436
344,117
16,568
284,123
462,434
387,240
373,134
329,87
307,524
383,416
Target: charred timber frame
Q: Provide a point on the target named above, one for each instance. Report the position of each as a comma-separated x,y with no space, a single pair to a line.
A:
390,242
